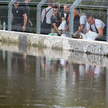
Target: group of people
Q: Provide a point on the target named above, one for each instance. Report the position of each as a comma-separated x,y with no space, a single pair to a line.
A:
55,20
20,16
52,19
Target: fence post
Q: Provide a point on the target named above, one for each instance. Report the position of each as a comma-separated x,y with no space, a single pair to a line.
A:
107,27
71,23
39,16
10,14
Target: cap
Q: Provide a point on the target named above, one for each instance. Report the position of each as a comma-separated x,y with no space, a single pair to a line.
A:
16,2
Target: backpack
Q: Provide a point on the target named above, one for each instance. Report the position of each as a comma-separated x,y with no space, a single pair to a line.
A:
45,28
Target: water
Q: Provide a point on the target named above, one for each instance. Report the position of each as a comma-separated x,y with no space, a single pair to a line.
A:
28,81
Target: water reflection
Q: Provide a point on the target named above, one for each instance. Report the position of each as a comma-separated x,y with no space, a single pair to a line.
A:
39,81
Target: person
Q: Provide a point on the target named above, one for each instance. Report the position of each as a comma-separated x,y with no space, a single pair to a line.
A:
97,26
56,20
65,15
19,18
0,26
76,18
27,10
61,8
59,5
45,18
67,18
83,21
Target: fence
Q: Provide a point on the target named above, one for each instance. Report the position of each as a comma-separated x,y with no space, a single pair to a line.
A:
98,8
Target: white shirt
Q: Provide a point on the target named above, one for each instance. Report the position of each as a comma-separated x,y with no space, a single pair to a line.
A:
83,21
65,15
48,15
98,23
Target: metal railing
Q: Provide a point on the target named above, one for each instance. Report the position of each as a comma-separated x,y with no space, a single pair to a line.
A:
36,9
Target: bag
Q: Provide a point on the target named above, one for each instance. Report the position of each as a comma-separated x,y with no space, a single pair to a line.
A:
63,26
91,35
46,28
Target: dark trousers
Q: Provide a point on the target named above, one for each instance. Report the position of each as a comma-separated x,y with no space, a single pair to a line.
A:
17,27
102,38
45,28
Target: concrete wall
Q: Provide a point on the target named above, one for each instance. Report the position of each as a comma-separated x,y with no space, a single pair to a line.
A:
55,42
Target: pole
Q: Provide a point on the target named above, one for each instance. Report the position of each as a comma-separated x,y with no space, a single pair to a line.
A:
39,16
107,27
10,14
71,23
107,85
70,74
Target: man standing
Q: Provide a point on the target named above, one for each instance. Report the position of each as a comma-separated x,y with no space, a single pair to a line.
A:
27,10
96,25
66,15
82,21
45,18
56,20
19,18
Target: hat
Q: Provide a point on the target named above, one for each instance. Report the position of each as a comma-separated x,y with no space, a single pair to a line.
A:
16,2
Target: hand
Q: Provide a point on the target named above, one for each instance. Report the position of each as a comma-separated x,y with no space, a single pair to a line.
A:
23,28
74,34
59,32
30,23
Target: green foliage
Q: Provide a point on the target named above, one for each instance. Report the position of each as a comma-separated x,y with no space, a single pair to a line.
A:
64,1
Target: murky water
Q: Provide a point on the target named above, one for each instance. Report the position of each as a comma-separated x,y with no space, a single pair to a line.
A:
43,82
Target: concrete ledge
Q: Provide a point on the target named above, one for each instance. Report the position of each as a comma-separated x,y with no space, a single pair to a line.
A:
55,42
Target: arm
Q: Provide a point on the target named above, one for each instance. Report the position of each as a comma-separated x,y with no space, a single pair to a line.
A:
25,22
63,18
100,30
67,28
41,18
88,30
54,24
42,15
12,16
30,23
80,30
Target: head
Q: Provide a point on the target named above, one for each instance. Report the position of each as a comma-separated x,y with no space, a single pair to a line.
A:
50,3
68,4
90,19
55,9
16,3
67,7
79,10
58,4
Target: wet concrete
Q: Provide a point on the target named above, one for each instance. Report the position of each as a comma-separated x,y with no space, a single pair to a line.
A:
28,81
55,42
